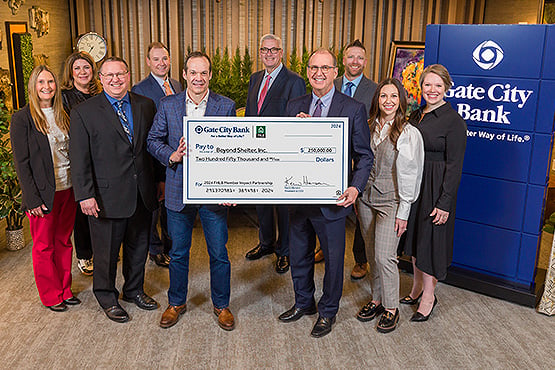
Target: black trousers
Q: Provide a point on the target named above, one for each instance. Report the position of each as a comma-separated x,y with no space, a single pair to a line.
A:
108,234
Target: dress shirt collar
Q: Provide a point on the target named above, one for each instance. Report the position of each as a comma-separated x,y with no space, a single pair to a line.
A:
326,102
161,81
113,101
274,73
355,82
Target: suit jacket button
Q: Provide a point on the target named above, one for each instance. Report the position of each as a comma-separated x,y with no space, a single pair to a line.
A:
135,176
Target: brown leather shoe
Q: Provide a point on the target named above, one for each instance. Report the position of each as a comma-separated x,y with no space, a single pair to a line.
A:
359,271
171,315
318,255
225,318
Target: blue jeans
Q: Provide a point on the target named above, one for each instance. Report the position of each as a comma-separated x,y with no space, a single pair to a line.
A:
180,227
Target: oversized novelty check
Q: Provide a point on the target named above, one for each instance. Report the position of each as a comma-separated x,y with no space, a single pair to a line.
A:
257,160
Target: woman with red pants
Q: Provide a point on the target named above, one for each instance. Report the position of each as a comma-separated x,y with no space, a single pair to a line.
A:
40,143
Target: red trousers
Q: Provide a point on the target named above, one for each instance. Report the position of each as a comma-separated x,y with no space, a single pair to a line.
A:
52,249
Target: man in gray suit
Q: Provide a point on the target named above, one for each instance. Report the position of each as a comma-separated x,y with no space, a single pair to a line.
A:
356,85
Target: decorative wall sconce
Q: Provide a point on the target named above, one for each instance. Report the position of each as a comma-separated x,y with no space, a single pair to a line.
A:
14,5
39,20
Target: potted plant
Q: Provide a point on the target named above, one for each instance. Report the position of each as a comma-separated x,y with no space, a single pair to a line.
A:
10,191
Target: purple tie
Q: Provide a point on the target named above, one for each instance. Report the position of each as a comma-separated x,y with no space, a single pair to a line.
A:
318,110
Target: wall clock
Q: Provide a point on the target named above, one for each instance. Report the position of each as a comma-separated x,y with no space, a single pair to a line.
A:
94,44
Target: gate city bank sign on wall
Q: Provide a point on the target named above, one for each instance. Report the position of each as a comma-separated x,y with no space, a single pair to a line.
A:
504,88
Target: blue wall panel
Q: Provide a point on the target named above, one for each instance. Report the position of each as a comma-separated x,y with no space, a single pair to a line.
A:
520,46
492,202
487,249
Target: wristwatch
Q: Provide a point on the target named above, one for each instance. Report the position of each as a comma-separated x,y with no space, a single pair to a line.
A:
172,164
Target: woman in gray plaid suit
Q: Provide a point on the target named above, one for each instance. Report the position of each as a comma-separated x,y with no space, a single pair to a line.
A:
384,206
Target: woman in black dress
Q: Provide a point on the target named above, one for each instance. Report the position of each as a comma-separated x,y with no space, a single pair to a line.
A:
430,229
80,82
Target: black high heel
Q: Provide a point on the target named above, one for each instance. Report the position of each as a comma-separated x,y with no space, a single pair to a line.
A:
409,300
419,317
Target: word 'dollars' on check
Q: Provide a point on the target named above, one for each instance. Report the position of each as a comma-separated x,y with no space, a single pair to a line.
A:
265,160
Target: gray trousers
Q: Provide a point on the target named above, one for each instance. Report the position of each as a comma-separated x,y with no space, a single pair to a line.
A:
377,222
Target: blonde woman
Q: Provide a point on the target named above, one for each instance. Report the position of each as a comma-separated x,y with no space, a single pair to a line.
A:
40,142
431,226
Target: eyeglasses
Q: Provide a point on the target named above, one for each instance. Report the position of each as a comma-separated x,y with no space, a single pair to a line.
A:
110,76
269,50
324,69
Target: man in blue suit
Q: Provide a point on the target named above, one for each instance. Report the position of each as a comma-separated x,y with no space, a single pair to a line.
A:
166,143
269,91
157,85
326,221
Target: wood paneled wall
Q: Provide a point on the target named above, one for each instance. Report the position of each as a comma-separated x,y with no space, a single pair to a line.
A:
129,26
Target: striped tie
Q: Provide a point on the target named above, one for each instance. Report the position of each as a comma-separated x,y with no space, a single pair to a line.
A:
318,110
124,121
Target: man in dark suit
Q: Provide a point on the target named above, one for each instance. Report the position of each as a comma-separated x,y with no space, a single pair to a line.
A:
326,221
269,91
157,85
113,182
167,145
356,85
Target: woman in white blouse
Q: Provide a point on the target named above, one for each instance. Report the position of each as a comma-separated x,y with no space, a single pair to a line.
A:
383,208
40,143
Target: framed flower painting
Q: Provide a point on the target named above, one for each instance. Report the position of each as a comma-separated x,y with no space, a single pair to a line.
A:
406,63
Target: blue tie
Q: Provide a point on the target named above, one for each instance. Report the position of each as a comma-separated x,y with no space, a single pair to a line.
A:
349,88
124,121
318,110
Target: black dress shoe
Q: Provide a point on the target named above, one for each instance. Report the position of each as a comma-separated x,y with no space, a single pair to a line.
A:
409,300
282,264
388,322
159,259
322,326
259,251
117,314
369,311
142,301
295,313
60,307
72,301
419,317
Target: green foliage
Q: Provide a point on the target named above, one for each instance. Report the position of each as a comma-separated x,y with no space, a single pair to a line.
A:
304,65
294,62
27,60
230,76
10,191
340,65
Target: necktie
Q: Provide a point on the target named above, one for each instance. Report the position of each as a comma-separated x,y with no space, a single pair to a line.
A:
167,88
263,93
318,110
349,88
124,121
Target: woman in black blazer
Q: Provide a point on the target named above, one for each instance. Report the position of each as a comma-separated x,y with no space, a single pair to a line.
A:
40,143
79,82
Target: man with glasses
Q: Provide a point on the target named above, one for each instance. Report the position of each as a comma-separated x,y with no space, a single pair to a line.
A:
113,182
326,221
356,85
156,85
269,91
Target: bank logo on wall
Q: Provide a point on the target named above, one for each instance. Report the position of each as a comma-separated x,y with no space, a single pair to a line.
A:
487,55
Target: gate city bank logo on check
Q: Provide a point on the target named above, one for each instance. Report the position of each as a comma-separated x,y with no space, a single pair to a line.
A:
221,130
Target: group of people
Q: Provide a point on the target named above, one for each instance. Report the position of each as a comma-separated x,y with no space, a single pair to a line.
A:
105,162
